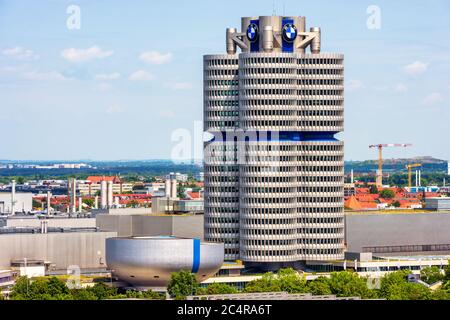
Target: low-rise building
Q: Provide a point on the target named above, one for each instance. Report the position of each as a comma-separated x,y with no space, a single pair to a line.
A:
92,185
437,203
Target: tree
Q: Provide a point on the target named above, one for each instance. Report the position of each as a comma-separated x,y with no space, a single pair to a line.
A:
217,288
440,294
89,202
396,204
267,283
447,271
319,286
373,189
291,281
431,274
181,191
182,284
83,294
55,287
348,284
20,289
395,286
20,180
387,194
102,291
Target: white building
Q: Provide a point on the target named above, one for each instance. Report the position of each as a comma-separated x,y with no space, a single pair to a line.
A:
23,202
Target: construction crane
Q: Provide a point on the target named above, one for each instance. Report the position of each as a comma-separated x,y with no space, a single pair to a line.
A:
379,181
409,167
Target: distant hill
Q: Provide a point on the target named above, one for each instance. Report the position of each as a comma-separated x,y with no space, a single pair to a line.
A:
429,164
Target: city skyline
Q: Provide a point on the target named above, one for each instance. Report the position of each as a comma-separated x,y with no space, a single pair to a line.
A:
64,89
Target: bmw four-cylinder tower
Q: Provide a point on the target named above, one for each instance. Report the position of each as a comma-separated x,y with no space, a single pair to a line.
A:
273,104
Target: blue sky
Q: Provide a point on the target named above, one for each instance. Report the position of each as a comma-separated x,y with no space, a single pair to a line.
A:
132,74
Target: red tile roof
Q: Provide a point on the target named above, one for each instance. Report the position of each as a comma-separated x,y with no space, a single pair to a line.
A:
193,194
97,179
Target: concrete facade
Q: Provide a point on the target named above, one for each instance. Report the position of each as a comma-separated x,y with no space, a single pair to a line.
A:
437,203
185,226
59,249
398,233
32,221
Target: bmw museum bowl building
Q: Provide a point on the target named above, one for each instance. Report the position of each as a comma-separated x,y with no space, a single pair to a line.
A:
149,261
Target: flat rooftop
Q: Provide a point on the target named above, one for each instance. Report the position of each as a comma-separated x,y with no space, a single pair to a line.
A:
37,230
402,211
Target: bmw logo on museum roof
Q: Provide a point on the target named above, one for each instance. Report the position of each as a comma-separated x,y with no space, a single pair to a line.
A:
252,32
289,32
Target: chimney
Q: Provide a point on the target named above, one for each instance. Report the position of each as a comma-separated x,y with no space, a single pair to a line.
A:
110,194
103,194
173,184
417,178
420,178
167,189
80,204
49,206
13,197
74,195
351,176
44,226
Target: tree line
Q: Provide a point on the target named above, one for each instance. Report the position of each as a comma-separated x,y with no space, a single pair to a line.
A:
392,286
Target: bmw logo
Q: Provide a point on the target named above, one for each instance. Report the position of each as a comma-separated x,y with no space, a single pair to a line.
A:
252,32
289,32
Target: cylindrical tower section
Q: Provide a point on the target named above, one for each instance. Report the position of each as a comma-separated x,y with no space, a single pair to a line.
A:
245,23
321,199
231,45
268,91
221,116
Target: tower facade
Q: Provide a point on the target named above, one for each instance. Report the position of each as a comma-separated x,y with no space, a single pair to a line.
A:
274,171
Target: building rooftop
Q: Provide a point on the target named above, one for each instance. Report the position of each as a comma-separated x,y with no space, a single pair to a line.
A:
38,230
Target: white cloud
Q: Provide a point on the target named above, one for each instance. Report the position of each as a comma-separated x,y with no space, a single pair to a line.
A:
433,99
400,87
83,55
353,85
36,75
114,109
416,68
155,57
106,77
179,85
20,53
141,75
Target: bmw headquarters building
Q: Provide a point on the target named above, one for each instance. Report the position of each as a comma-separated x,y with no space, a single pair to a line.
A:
274,171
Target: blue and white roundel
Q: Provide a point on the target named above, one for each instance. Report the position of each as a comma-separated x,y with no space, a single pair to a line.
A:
252,32
289,32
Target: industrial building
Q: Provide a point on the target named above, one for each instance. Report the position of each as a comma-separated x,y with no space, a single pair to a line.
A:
274,171
92,185
142,225
23,202
149,261
54,248
437,203
402,233
52,222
